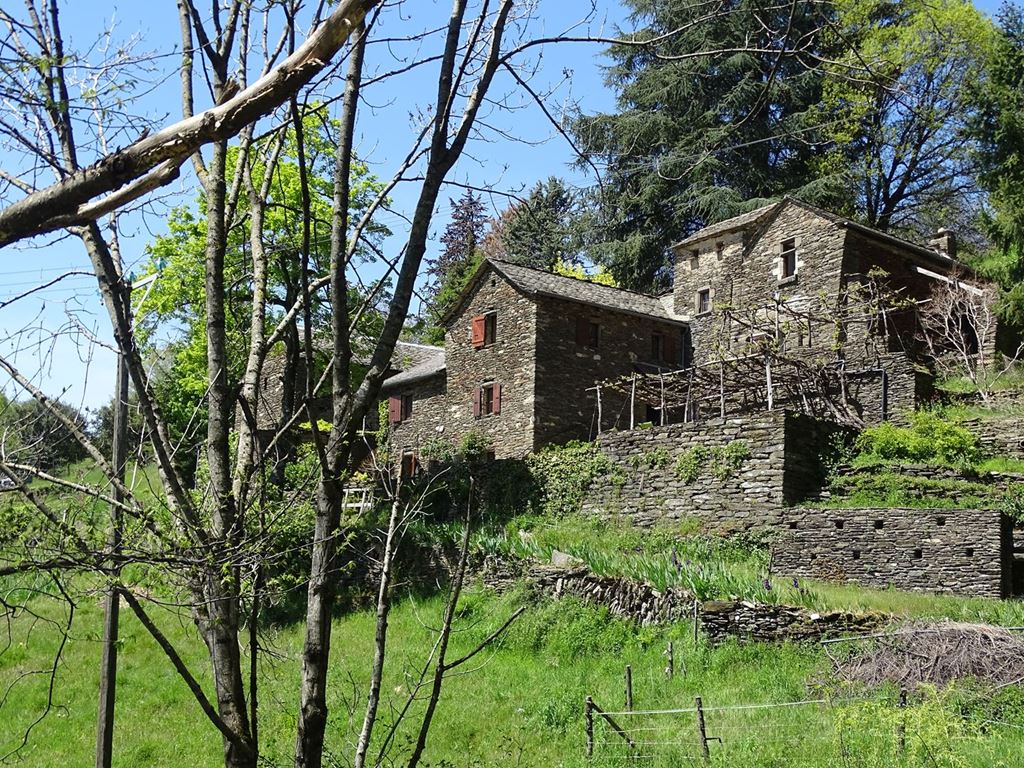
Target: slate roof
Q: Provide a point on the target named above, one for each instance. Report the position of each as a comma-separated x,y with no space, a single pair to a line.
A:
743,221
431,365
540,282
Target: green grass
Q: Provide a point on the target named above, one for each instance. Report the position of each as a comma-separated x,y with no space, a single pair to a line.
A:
520,705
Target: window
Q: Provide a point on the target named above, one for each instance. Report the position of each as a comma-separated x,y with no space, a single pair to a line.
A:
788,258
410,466
664,349
719,250
588,332
484,330
703,301
487,400
694,259
399,408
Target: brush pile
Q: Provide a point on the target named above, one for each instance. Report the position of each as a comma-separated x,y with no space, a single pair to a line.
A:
935,654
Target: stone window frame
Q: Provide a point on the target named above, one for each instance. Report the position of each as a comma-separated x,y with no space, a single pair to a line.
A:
698,312
781,274
720,250
694,259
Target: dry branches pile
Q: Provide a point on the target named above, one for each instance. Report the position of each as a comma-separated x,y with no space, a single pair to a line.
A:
937,654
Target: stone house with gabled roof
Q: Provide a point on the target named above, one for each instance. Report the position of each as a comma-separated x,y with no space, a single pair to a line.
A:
524,347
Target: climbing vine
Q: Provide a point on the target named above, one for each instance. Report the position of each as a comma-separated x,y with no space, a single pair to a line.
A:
719,462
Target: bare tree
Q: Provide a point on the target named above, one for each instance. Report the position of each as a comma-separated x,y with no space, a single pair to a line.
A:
958,325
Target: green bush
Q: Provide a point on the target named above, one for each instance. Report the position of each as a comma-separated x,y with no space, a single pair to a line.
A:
931,437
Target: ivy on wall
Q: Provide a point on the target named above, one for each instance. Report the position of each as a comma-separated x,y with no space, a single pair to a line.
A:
720,462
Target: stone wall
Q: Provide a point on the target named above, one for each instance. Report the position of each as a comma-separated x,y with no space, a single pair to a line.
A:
622,597
646,484
565,368
509,361
748,275
776,623
429,406
959,551
1003,437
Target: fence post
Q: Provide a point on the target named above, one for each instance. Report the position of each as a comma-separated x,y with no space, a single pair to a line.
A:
702,730
901,727
695,623
588,714
670,669
629,688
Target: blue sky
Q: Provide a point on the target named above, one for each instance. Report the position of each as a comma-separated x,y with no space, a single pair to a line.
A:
68,353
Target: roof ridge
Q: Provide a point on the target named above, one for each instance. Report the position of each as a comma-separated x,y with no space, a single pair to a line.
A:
570,277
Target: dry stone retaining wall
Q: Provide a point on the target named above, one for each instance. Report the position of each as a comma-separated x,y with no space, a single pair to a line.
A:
775,623
782,466
963,551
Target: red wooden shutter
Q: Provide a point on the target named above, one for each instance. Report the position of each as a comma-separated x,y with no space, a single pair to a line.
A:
496,402
582,331
395,409
476,403
670,349
479,331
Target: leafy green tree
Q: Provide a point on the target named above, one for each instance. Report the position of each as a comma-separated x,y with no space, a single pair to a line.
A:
711,121
541,231
998,128
172,320
449,273
896,106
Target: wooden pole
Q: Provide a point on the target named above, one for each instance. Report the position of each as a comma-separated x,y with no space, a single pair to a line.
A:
661,378
702,730
768,377
598,409
588,714
629,688
901,728
619,730
721,388
632,403
695,623
670,668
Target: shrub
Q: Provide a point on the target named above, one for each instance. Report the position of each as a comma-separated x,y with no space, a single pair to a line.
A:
930,438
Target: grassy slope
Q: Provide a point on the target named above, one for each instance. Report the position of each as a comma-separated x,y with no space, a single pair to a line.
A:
519,705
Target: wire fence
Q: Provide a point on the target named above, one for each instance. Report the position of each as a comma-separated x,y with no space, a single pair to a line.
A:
878,731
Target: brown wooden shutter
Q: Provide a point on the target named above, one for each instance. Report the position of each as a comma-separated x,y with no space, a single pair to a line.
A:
496,401
582,331
476,403
479,331
395,409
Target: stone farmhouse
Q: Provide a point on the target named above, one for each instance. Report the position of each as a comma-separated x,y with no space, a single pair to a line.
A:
525,349
785,327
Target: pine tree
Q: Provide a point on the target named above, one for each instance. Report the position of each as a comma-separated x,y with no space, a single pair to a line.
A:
451,270
712,121
540,232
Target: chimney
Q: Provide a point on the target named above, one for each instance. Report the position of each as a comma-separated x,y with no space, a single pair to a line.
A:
944,243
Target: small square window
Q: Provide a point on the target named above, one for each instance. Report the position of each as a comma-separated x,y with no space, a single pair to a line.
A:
879,525
839,524
940,520
969,552
788,258
406,407
792,525
918,554
703,301
856,554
